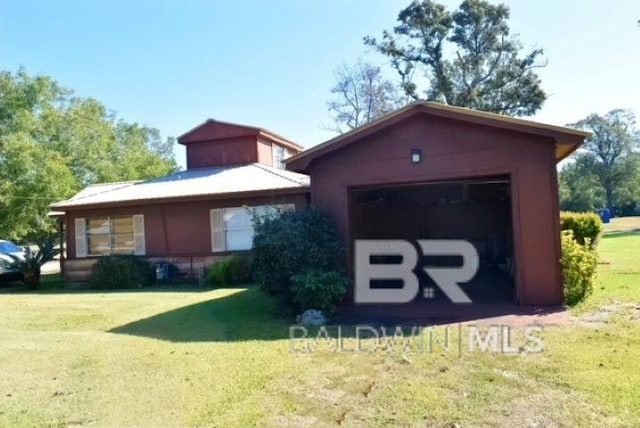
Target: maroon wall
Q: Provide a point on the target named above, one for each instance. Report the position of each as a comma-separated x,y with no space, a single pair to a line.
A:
454,149
231,151
176,229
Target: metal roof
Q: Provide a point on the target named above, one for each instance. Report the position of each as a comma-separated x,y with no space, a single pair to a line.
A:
195,182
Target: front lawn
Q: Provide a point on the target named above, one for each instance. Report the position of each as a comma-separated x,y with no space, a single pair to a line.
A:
221,358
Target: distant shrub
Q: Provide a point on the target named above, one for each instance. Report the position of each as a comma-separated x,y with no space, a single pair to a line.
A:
579,264
295,243
318,290
586,227
232,271
121,272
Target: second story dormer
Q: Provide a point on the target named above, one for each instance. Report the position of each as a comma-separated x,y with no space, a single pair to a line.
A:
216,143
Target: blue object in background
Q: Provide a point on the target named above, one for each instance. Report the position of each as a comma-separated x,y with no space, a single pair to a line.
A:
605,214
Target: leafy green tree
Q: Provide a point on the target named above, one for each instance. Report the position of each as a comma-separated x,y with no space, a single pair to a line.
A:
53,143
610,154
468,57
580,190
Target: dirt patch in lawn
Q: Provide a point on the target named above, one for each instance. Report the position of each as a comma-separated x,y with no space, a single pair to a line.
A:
604,314
550,408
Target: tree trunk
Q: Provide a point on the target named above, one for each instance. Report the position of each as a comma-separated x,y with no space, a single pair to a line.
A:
609,190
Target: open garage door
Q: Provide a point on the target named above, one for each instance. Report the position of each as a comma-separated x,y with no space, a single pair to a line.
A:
478,211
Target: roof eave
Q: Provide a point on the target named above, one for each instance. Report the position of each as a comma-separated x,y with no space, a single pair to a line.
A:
191,198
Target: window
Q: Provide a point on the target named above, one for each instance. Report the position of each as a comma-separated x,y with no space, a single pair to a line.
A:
238,229
232,228
98,236
278,156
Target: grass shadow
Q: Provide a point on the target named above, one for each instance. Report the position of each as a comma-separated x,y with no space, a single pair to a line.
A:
246,314
54,283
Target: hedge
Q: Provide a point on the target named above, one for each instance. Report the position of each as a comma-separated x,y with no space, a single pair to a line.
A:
579,263
586,227
121,272
235,270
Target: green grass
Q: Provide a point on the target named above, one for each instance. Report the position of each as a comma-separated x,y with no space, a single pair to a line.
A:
221,358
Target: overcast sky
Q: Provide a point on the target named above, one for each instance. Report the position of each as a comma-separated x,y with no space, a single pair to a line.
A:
172,64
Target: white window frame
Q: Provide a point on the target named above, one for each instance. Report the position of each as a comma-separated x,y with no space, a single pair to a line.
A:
81,231
278,153
220,231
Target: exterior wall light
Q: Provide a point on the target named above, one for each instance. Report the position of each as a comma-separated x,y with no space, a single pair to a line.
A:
416,156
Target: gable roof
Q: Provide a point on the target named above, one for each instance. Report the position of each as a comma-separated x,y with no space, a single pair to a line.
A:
225,181
567,139
206,132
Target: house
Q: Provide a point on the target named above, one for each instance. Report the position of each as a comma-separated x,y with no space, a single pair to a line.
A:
190,218
426,171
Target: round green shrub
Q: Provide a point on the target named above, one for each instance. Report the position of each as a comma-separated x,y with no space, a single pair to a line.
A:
318,290
235,270
294,243
121,272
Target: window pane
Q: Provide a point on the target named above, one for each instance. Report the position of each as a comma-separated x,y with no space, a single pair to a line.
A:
122,243
236,218
240,239
107,235
122,225
98,244
98,225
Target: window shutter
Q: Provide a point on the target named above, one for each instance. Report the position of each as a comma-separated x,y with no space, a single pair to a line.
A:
217,230
81,237
139,244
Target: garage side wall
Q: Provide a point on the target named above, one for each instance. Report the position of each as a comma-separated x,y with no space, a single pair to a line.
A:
452,150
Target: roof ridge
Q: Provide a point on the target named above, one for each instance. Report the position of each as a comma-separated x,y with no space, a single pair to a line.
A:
273,171
111,183
131,183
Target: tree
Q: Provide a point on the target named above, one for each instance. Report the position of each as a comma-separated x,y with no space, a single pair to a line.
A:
485,70
52,144
610,155
580,190
360,95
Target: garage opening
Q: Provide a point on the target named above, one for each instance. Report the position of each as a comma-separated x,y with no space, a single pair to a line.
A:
478,210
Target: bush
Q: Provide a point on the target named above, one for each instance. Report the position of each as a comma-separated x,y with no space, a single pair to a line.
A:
232,271
586,227
121,272
318,290
294,243
579,264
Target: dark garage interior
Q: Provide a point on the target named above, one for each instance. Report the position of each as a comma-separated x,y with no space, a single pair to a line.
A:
477,210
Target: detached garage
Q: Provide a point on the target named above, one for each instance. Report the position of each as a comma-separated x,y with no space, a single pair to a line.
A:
431,171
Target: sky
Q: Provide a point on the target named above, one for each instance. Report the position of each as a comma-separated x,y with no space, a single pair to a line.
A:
271,63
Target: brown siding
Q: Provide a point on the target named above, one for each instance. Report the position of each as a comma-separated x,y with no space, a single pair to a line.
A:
222,152
178,229
212,130
265,155
450,150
